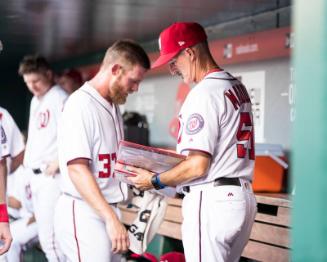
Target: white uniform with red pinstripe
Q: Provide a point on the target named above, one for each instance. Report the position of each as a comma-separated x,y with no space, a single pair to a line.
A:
41,149
13,135
23,231
91,129
15,146
216,118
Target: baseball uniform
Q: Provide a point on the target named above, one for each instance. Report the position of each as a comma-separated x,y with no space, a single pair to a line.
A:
0,140
14,146
41,149
4,139
91,128
15,140
3,212
23,233
216,118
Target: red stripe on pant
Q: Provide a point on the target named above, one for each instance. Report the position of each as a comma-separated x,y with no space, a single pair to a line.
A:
75,233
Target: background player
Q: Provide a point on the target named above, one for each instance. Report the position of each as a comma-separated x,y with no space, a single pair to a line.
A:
88,139
15,141
41,147
24,228
216,132
70,80
15,148
5,236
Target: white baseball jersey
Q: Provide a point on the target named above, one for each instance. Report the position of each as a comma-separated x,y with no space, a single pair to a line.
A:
1,153
216,119
11,134
41,149
3,141
41,146
22,190
91,128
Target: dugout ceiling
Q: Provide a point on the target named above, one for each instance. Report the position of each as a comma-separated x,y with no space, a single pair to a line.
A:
68,29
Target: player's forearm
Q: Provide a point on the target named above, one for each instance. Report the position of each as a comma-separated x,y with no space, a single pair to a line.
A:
86,185
16,161
195,166
14,202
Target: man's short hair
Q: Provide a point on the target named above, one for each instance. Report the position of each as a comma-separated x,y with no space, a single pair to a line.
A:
33,64
129,51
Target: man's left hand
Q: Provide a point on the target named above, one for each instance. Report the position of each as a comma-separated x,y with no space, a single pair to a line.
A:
142,180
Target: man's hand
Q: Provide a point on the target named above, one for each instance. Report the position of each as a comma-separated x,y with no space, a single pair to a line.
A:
142,180
118,236
52,168
5,237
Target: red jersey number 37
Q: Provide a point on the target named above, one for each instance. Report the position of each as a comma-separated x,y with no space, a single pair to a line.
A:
105,160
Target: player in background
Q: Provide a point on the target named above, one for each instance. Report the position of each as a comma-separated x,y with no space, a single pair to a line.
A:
15,141
5,236
216,133
24,228
70,80
14,145
87,218
41,156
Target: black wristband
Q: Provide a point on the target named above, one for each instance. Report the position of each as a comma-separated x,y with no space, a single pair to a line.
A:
155,181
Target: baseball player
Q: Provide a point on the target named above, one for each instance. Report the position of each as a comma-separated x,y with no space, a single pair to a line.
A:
87,218
41,147
5,236
15,140
15,148
216,133
70,80
23,229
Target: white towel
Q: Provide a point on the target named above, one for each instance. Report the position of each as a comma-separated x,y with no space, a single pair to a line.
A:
152,209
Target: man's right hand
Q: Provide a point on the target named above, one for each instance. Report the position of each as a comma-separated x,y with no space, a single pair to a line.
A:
118,236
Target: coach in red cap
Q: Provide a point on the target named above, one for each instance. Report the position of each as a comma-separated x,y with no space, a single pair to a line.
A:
217,135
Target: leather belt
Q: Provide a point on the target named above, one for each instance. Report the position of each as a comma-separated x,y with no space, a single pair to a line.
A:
37,171
222,181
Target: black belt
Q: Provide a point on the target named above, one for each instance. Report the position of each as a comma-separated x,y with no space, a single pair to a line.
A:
222,181
37,171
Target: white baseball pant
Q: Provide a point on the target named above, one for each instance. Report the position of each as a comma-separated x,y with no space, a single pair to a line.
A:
81,232
45,191
22,234
217,221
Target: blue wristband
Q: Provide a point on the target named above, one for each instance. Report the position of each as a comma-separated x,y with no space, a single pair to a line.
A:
155,180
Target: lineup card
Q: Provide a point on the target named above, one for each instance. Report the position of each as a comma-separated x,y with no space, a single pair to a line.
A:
154,159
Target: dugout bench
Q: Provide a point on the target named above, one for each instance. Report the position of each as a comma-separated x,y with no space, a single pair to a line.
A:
269,240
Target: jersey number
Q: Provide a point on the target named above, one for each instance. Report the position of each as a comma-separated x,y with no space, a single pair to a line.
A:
106,159
245,133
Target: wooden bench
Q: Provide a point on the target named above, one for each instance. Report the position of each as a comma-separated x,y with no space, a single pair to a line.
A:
269,240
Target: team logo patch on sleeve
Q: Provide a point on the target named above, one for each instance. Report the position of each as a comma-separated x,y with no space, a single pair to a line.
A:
194,124
3,136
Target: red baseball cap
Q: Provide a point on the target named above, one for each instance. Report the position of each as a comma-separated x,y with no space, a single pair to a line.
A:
177,37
